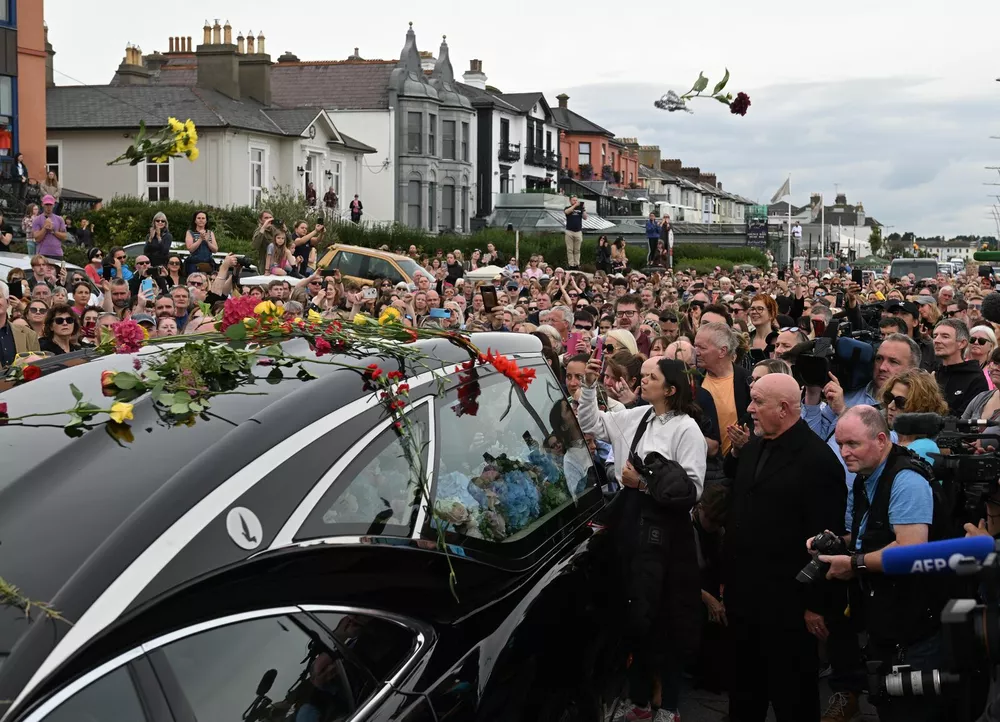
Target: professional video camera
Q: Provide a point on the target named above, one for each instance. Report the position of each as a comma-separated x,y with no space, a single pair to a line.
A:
970,630
968,477
848,354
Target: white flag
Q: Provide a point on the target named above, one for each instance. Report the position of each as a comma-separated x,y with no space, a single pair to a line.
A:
785,190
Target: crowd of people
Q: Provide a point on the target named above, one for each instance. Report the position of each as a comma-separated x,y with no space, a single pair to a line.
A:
729,450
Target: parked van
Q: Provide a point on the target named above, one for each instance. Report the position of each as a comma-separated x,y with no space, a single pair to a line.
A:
919,267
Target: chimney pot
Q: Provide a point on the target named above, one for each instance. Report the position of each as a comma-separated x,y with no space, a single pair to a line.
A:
260,43
187,45
563,100
356,51
216,33
250,50
240,47
228,30
171,45
208,34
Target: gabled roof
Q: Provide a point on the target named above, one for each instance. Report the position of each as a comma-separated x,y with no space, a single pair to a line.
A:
486,99
81,107
356,145
576,123
336,85
526,101
295,121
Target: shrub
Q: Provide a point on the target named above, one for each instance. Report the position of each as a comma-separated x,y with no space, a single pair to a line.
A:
734,255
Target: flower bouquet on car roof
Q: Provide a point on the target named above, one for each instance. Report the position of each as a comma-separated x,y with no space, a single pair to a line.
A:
175,140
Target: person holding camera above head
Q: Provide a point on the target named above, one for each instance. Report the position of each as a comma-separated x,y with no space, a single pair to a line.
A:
263,238
659,454
892,503
158,241
786,483
960,380
303,243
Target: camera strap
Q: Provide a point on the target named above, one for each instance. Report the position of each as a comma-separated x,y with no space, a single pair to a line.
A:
643,425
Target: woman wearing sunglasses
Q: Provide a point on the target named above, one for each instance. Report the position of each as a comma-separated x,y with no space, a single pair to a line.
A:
982,344
986,405
35,316
912,392
62,326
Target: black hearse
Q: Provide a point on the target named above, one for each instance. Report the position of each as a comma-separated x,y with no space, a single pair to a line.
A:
267,562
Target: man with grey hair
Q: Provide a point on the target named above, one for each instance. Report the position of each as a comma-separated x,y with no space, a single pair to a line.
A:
715,348
960,380
560,318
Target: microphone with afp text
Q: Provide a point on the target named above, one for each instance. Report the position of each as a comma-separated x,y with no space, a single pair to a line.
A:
951,556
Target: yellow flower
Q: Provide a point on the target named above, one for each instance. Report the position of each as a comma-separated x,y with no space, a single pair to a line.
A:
161,159
314,317
120,412
264,308
390,315
360,319
189,128
175,125
192,154
145,333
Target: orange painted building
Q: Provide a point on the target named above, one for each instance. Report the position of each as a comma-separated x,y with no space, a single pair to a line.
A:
33,72
584,144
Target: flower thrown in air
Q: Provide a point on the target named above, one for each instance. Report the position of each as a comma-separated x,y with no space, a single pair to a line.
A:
671,101
740,104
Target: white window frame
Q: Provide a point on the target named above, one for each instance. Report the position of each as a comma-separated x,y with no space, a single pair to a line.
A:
57,144
145,185
263,171
336,167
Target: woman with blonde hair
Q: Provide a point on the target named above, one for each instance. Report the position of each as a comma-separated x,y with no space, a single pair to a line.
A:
911,392
618,339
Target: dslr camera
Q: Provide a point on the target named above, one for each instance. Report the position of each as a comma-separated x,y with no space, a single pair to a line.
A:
826,543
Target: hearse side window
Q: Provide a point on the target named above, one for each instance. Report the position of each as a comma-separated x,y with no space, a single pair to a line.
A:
112,698
381,268
376,493
272,666
508,462
381,645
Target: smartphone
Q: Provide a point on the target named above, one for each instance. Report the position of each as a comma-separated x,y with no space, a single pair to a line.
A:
328,272
16,289
781,275
599,349
857,276
489,297
369,293
529,440
439,313
572,342
819,326
146,286
839,300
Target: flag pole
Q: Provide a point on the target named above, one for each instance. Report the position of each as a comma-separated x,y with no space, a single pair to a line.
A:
789,249
822,225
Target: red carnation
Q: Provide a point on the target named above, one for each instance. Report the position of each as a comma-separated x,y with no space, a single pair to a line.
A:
322,346
740,104
128,336
237,309
394,375
373,371
31,373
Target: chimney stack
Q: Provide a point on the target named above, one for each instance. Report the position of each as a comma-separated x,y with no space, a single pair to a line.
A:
49,64
475,76
563,100
132,71
693,173
218,64
255,71
154,61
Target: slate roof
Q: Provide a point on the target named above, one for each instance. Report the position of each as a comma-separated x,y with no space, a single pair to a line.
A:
354,144
576,123
334,85
293,121
526,101
481,98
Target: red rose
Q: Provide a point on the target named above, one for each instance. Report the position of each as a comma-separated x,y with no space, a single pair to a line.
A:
740,104
31,373
322,346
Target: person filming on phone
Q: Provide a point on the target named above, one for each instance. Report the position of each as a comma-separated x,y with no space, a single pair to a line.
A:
576,214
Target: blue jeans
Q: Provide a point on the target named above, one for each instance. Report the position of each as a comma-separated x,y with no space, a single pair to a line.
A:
922,655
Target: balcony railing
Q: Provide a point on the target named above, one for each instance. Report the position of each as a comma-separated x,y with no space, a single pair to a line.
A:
509,152
551,160
535,156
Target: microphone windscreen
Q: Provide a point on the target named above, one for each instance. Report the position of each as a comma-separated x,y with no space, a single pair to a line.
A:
991,307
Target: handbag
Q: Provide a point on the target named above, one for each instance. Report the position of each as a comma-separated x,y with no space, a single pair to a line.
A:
666,481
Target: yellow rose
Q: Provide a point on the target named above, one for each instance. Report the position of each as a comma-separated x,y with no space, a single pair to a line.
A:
360,319
120,412
390,315
314,316
264,308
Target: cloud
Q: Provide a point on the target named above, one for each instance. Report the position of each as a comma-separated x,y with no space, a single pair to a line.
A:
915,160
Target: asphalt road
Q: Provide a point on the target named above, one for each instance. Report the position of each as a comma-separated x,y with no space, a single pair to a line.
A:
701,706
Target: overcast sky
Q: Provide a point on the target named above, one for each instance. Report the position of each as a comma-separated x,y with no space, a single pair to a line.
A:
893,101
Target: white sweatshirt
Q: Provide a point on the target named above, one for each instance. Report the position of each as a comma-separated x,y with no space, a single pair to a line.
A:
676,436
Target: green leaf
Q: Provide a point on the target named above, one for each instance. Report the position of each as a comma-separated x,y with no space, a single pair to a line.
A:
722,99
236,332
179,409
74,420
721,84
195,407
305,375
152,376
126,380
77,394
274,351
701,83
275,377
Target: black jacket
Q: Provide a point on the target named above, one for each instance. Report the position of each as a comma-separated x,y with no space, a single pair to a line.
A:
158,250
798,492
959,383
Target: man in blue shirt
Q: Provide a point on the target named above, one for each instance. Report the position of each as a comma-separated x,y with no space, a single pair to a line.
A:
891,504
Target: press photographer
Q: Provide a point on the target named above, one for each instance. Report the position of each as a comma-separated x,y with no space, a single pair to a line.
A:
894,501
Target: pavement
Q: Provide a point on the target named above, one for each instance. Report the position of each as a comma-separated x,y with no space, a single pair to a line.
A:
698,705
